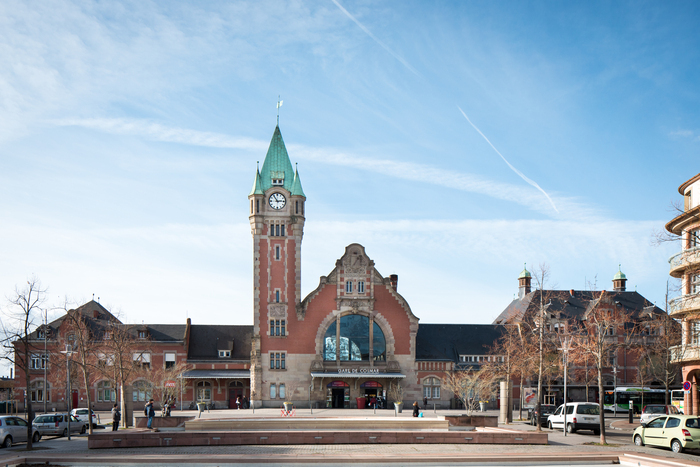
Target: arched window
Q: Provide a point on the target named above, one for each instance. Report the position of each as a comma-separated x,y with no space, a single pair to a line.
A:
105,393
38,393
141,391
431,388
351,341
204,391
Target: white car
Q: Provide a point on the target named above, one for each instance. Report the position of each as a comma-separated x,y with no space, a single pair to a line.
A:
579,416
82,415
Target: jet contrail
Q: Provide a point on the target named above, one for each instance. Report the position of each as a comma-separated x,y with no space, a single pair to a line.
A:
367,31
531,182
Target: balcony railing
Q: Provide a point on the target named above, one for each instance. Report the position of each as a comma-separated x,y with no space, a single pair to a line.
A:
684,304
685,258
685,353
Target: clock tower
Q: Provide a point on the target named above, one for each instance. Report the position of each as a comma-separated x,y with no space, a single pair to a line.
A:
277,225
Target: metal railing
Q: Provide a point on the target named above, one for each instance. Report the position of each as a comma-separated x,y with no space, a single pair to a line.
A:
691,255
684,303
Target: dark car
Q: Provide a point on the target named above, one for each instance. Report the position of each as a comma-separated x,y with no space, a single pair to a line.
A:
546,411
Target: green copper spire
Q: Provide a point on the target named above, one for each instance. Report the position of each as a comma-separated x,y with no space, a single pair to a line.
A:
525,272
620,274
277,166
257,184
296,186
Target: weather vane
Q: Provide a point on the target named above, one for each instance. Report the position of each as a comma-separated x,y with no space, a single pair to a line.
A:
279,104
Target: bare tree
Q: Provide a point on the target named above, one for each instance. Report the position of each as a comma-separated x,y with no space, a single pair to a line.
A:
80,335
605,329
167,383
662,346
17,323
117,352
505,354
470,387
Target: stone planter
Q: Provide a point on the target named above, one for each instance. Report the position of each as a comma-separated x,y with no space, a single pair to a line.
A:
482,406
398,406
288,406
474,420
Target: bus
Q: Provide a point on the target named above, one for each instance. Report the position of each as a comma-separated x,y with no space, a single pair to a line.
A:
678,399
636,396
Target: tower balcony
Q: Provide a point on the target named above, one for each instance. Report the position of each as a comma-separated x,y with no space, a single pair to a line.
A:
680,262
684,304
685,353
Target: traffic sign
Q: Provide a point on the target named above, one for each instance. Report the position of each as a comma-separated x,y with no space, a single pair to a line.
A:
686,386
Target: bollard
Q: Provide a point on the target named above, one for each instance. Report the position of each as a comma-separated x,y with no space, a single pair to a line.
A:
630,413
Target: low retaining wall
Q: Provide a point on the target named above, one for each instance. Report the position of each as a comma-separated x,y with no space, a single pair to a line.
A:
175,421
474,420
126,439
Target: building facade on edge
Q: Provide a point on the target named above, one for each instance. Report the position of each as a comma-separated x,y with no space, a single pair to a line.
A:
686,266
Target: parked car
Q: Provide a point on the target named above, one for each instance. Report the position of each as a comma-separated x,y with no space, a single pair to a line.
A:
547,410
82,415
57,424
652,411
14,430
579,416
677,432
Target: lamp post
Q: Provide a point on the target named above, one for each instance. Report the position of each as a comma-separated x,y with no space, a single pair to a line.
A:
565,350
69,352
43,359
614,372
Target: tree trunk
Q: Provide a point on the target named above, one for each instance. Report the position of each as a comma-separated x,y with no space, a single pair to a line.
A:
86,379
122,402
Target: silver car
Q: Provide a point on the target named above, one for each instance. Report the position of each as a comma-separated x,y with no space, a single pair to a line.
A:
14,430
56,424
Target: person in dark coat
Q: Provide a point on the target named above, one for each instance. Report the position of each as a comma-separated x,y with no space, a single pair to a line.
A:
425,402
150,412
116,416
416,409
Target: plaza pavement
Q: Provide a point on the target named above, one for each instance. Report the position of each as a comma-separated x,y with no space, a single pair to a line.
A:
562,450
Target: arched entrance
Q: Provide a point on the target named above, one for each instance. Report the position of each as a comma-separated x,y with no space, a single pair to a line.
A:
338,395
236,389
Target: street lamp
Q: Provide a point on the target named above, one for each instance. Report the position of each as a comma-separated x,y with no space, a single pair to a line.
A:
44,359
614,372
565,351
68,352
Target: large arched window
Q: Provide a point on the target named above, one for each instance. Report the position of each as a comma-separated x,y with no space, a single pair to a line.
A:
204,391
141,391
351,342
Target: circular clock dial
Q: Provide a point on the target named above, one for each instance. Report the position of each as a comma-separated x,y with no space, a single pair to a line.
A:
277,201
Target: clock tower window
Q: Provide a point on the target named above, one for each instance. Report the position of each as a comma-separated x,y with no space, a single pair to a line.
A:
277,252
277,296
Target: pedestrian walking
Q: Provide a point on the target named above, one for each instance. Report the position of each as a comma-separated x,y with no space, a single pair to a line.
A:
416,409
150,412
425,402
238,402
245,402
116,416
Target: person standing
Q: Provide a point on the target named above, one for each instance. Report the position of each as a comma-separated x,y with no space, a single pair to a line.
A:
116,416
425,402
416,409
150,412
238,402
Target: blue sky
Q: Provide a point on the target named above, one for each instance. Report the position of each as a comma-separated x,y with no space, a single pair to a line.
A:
130,131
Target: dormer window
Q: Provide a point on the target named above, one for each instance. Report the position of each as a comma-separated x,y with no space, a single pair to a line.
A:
277,178
224,354
142,334
107,335
277,182
40,334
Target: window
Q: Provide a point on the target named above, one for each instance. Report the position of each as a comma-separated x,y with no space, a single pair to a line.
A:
282,391
277,296
360,286
257,205
431,388
297,207
141,391
105,393
251,206
282,230
695,332
224,353
673,422
204,391
38,393
107,335
40,334
142,334
142,359
694,238
348,287
277,361
273,391
170,360
695,283
277,327
351,340
277,181
38,362
277,252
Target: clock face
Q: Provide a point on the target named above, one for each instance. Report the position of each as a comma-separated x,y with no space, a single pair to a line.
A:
277,201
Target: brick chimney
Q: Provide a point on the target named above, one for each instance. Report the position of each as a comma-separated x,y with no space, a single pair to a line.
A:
394,281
